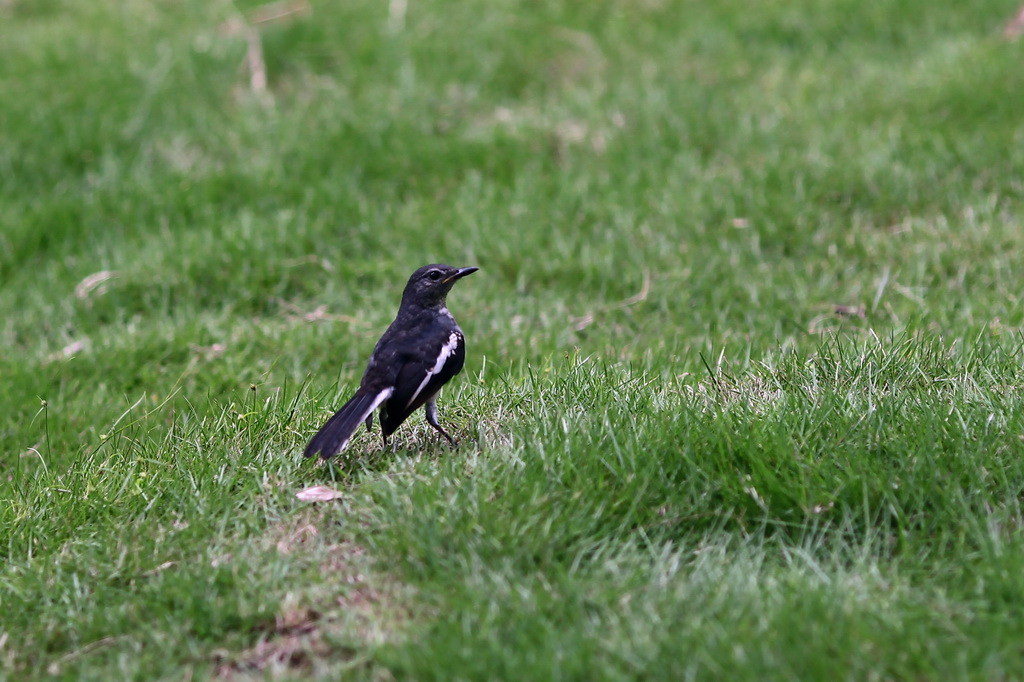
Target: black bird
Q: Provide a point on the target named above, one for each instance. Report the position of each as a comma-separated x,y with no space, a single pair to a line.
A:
417,355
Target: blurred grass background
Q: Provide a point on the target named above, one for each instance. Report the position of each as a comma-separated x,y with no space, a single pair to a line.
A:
742,393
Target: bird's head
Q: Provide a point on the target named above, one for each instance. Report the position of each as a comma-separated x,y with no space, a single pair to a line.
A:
429,285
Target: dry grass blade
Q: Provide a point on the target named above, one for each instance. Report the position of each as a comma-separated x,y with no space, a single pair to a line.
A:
248,27
94,283
584,321
55,667
1015,26
69,350
315,315
280,11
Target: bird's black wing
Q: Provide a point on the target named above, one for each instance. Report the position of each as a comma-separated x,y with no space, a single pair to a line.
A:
421,376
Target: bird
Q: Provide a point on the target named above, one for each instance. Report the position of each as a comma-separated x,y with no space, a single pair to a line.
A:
418,354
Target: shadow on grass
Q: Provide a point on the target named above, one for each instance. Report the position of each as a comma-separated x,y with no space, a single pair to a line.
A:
371,460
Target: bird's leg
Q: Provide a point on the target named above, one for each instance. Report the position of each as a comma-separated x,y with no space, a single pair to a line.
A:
394,443
384,436
369,424
382,415
431,410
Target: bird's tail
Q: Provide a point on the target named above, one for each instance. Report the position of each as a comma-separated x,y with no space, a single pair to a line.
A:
334,435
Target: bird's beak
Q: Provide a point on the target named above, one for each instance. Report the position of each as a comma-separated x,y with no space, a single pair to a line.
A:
461,272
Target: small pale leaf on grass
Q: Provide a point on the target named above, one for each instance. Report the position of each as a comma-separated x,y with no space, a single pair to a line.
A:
318,493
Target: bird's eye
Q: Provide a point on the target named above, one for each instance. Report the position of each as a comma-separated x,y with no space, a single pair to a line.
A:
434,275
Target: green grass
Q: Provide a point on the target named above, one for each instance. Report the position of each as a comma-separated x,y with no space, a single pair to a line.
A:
678,460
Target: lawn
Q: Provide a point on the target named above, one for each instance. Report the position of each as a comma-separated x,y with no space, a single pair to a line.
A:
742,398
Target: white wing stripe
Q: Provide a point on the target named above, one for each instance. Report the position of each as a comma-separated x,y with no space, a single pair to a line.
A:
446,352
381,397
